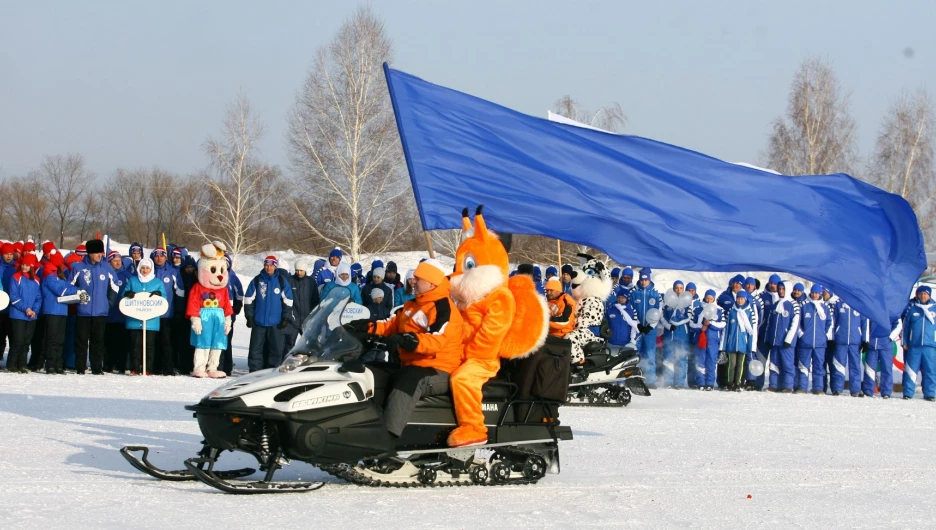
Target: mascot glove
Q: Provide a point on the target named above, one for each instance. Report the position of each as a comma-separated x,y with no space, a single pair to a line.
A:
227,325
128,293
196,325
83,297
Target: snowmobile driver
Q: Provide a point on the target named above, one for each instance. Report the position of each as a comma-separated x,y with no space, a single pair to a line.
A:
427,334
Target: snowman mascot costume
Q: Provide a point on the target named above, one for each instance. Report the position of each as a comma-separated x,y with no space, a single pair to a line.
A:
209,307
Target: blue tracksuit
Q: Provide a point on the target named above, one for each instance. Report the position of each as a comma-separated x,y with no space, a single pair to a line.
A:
52,288
880,352
623,322
919,333
675,346
851,329
738,338
267,298
782,329
760,353
24,294
815,333
644,299
172,285
707,358
121,277
98,281
693,337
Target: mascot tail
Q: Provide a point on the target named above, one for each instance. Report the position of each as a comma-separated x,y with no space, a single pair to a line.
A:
531,321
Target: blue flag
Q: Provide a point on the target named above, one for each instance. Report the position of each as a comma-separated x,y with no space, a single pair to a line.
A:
650,203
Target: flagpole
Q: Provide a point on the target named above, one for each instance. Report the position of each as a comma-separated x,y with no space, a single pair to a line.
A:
429,243
559,253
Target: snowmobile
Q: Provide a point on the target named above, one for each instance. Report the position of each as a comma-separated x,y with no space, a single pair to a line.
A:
606,379
321,406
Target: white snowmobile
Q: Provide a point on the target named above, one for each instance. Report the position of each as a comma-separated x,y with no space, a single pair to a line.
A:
319,407
606,379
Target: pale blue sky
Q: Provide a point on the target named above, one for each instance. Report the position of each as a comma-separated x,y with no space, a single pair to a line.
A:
141,84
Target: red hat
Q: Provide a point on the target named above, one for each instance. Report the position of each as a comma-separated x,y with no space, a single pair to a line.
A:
30,246
81,250
18,247
113,254
6,248
271,260
74,257
47,247
29,259
55,258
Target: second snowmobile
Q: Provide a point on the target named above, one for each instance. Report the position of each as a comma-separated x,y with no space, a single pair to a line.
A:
320,406
606,379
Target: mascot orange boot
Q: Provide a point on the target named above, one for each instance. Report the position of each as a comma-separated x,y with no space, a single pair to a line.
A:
502,319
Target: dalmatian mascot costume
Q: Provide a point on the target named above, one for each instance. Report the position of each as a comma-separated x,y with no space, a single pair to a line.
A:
209,307
591,286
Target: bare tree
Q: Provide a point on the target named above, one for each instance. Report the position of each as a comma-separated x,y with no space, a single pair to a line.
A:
64,183
609,117
28,209
345,149
903,161
818,135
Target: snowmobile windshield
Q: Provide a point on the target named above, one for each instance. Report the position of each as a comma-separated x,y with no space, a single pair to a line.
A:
323,338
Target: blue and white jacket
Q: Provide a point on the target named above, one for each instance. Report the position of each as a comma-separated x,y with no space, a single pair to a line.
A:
816,325
644,299
741,330
268,299
169,275
716,326
919,325
623,322
679,318
24,294
783,323
52,288
850,326
98,281
881,338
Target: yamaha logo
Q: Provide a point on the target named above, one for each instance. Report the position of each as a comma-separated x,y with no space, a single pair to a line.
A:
489,407
346,394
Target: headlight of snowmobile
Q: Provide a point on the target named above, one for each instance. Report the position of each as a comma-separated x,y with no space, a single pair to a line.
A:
292,362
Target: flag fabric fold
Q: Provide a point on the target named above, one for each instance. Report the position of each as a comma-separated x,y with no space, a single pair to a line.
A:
653,204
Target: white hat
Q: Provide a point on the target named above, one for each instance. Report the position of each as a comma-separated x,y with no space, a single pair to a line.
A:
376,293
303,264
378,272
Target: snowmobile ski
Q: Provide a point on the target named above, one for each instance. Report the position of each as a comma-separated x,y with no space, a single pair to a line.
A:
201,468
143,464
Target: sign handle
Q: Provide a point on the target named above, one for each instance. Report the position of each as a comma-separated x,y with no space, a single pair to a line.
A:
143,370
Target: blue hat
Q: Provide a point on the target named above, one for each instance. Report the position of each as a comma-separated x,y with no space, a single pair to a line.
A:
816,288
567,269
336,252
376,264
710,292
677,282
356,267
622,291
826,289
537,272
774,278
616,272
136,247
628,272
551,271
744,294
750,281
798,287
924,289
736,279
691,286
645,273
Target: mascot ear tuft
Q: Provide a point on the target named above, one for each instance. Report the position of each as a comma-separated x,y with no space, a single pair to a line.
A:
478,210
464,212
507,240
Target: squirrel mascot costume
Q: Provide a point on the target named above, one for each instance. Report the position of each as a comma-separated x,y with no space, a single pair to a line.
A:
503,318
209,307
591,286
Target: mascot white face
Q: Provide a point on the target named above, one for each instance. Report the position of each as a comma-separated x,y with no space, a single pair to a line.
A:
593,279
212,267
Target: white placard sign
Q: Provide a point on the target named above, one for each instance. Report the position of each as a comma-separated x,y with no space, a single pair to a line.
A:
4,300
354,311
143,306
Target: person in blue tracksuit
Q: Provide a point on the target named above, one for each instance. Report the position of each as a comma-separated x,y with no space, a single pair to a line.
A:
782,331
675,342
537,280
851,337
566,278
739,338
25,304
267,305
167,359
816,325
707,357
55,284
726,300
622,318
96,277
357,274
627,279
880,351
756,382
644,298
919,343
116,340
693,335
7,268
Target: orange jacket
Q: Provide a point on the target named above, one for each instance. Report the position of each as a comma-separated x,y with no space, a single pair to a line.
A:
561,315
487,322
437,323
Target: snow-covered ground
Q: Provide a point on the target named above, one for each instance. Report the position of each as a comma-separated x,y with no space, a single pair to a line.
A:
676,459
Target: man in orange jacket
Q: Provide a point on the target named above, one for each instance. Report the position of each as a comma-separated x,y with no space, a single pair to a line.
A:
427,333
561,309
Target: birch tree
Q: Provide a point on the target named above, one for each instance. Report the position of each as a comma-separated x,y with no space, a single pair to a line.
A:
818,135
344,145
239,197
64,184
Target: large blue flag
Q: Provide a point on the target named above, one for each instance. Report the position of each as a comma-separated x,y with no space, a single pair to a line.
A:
649,203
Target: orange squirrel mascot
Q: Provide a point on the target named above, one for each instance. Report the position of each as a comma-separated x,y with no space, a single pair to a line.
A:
502,319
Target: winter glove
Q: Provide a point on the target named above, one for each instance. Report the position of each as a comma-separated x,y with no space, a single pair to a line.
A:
129,294
83,297
409,341
830,345
864,347
361,325
354,365
250,322
196,325
227,325
672,327
786,344
282,324
155,293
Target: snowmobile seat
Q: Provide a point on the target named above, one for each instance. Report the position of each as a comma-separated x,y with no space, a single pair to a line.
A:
493,390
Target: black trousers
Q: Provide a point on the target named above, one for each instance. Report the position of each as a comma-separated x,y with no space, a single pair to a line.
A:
165,352
89,336
21,333
181,337
54,340
266,348
37,357
117,347
4,331
227,356
136,349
